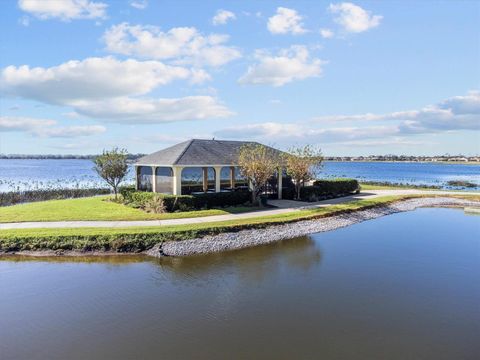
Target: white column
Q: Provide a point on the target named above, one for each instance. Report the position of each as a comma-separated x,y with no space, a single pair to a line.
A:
205,179
218,170
154,180
279,183
177,180
136,177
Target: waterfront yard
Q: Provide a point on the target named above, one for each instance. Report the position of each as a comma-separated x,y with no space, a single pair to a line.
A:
96,208
141,238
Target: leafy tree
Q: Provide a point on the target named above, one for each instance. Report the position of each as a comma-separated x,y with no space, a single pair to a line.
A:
257,164
112,167
302,164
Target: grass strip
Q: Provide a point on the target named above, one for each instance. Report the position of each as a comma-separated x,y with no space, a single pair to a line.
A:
136,239
97,208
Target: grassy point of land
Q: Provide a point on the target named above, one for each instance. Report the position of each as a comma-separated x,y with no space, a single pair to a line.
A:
95,208
368,186
141,238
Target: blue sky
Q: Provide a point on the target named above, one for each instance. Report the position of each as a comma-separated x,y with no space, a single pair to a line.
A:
360,78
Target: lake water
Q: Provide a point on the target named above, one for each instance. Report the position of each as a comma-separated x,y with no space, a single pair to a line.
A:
403,286
79,173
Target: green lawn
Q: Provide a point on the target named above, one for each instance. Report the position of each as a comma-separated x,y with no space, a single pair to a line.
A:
94,208
393,187
141,238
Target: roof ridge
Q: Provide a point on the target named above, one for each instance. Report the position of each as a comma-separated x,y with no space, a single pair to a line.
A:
184,151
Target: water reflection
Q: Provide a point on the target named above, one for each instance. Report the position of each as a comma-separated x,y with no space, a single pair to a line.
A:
401,287
253,264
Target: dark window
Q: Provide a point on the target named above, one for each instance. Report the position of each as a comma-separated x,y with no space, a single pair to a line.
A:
240,180
164,180
225,182
144,177
192,180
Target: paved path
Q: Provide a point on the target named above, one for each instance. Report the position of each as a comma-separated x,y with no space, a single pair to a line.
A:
283,206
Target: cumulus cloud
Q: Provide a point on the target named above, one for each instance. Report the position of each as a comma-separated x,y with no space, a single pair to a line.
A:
92,78
293,132
149,111
453,114
289,65
353,18
46,127
70,131
326,33
222,17
14,123
65,10
286,21
139,4
110,89
184,45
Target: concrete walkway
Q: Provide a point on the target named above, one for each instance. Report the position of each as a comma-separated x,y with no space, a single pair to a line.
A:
282,207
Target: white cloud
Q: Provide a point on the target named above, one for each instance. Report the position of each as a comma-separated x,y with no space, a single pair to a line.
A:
353,18
71,115
46,127
109,89
326,33
24,20
456,113
465,104
14,123
184,45
70,131
151,111
139,4
92,78
222,17
65,10
294,132
286,21
289,65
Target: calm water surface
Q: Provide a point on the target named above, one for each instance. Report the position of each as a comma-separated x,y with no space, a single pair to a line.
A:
401,287
79,173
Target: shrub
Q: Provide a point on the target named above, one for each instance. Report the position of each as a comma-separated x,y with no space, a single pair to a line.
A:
140,199
288,193
324,189
17,197
461,183
125,191
222,199
156,205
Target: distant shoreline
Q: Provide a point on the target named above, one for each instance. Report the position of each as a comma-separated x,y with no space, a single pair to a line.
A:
133,157
409,162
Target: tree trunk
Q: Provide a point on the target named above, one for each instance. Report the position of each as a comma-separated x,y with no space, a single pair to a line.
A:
115,192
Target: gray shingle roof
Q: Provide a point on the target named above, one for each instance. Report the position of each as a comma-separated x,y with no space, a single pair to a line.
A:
197,152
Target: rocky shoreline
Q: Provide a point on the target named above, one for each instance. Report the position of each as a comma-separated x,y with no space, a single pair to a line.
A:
253,237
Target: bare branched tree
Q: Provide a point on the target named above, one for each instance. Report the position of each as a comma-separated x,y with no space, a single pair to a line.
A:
302,164
257,164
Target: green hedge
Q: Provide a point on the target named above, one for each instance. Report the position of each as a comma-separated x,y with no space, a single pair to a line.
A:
25,196
324,189
139,199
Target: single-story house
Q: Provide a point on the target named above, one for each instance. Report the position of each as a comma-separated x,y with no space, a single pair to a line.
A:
197,166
